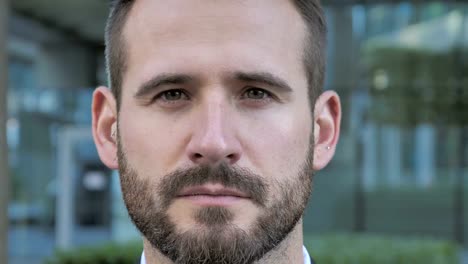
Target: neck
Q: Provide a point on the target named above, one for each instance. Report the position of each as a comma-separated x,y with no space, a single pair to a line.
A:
288,251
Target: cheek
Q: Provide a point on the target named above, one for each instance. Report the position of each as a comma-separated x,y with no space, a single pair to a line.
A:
279,146
153,145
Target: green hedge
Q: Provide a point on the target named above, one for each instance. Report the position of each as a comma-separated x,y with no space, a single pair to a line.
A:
368,249
330,249
127,253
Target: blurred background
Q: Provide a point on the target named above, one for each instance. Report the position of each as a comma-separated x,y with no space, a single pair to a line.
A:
401,168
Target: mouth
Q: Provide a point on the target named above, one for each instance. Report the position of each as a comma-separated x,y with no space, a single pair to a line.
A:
212,195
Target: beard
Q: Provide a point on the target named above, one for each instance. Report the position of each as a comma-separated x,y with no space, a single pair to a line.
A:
222,241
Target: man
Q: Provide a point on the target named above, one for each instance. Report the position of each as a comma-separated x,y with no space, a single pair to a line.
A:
216,121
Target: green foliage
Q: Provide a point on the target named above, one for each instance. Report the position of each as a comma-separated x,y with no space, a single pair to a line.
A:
371,249
330,249
128,253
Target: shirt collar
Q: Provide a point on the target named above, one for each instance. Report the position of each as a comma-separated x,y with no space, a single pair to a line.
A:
305,253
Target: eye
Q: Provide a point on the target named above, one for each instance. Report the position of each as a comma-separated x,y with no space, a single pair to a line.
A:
172,95
256,94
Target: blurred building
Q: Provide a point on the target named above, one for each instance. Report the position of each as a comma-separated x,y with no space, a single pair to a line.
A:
401,165
61,193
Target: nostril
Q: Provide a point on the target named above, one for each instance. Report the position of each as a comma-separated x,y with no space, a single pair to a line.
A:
198,156
233,158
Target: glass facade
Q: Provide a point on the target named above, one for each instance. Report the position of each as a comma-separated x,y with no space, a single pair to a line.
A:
402,160
49,133
401,166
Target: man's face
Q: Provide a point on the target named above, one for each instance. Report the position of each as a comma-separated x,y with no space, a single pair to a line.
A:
215,128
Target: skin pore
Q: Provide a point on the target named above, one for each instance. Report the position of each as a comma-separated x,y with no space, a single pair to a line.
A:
216,147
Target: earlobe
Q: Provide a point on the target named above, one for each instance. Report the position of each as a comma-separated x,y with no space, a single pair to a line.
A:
105,126
327,121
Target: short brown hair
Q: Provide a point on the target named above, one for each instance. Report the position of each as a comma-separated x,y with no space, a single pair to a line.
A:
314,53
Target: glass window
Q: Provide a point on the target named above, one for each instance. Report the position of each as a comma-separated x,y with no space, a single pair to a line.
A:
401,73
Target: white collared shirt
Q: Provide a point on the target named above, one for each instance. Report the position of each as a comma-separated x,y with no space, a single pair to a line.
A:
305,253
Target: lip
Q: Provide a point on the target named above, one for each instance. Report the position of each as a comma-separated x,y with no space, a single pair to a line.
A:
212,195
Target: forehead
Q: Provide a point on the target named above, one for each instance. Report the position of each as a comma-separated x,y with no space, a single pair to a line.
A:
202,30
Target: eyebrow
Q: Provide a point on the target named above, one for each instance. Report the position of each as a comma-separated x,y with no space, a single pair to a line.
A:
162,79
265,78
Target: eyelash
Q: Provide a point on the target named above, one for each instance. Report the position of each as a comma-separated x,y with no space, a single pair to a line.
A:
160,96
268,94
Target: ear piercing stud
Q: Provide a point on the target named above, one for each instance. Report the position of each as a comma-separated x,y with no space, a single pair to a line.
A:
328,147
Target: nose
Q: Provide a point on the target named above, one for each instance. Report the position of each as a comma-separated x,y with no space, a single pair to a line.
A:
214,138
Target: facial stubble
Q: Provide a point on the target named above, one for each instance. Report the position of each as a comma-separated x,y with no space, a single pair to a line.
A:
220,241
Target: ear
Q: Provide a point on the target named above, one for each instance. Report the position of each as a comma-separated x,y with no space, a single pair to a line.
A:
327,121
104,113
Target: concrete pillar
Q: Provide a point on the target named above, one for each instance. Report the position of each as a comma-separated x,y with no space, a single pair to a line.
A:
391,152
370,156
4,178
425,155
65,202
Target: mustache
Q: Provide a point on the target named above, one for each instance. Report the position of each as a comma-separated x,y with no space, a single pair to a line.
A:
241,179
